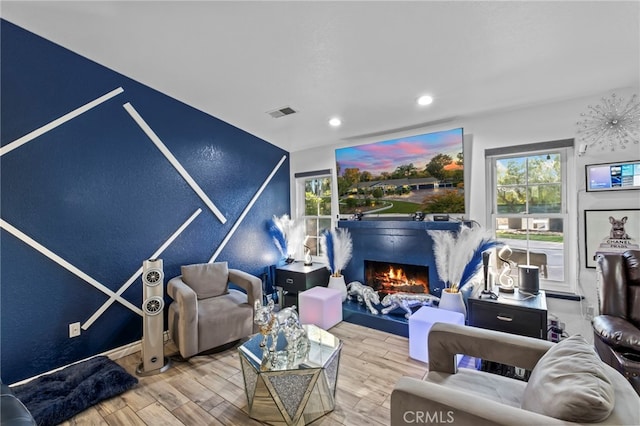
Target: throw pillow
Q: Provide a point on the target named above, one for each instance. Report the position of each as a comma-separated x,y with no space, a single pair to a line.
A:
569,383
207,279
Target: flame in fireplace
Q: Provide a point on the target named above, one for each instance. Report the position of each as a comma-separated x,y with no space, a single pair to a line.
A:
397,275
387,278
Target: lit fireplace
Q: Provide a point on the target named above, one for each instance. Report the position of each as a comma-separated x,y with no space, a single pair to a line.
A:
386,278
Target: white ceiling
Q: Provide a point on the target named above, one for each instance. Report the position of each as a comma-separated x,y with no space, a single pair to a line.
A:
365,61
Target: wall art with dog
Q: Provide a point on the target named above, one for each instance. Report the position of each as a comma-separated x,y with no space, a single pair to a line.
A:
610,231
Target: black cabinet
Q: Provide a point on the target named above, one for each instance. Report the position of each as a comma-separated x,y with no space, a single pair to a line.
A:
515,313
295,277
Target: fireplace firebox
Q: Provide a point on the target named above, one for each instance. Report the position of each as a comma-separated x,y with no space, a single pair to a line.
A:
387,278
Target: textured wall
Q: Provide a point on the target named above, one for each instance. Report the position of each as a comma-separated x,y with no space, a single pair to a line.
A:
100,172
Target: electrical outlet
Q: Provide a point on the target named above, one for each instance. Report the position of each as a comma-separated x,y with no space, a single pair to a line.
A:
74,329
590,311
555,330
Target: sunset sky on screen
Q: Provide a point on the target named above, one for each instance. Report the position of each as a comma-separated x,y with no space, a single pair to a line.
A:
388,155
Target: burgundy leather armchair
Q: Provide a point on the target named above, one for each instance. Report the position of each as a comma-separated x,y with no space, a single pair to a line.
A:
617,329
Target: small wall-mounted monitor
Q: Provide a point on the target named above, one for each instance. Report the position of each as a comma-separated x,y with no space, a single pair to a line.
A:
613,176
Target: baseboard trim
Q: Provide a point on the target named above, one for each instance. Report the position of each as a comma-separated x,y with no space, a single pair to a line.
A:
113,354
131,348
565,296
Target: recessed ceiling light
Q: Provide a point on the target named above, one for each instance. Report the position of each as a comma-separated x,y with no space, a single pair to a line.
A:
425,100
335,122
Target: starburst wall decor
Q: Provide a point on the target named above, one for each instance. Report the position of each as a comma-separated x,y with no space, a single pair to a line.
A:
612,124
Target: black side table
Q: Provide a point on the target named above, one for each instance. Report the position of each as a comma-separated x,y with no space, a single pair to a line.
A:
295,277
516,313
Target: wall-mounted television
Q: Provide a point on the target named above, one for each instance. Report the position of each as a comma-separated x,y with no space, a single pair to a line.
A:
613,176
421,173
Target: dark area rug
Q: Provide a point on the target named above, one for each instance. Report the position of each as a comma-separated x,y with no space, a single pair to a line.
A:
56,397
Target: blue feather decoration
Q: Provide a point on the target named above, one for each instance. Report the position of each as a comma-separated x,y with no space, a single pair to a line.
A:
328,242
475,264
278,237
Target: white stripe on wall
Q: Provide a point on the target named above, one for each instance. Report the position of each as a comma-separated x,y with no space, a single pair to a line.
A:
59,121
66,265
246,210
135,276
174,162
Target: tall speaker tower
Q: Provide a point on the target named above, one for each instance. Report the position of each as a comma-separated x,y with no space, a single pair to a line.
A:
153,359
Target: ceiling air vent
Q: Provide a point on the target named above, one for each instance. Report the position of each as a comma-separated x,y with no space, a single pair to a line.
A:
282,112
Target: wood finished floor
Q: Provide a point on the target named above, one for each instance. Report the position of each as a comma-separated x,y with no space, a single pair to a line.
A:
209,389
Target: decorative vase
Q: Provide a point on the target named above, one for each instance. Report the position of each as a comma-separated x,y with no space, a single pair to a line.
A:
338,284
452,301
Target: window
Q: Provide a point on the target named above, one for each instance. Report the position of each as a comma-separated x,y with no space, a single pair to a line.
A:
530,213
314,206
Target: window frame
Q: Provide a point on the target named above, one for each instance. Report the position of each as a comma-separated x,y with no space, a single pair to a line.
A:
568,203
300,196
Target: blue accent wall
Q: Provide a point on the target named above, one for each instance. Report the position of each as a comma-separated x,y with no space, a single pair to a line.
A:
97,192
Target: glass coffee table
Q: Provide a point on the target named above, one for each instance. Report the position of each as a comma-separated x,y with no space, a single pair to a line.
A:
291,390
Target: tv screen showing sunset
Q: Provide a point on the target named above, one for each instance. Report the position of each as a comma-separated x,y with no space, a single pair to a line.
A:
404,175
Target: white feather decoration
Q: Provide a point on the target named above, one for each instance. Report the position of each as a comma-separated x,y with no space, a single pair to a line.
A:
295,238
461,254
453,253
443,244
343,248
293,233
282,222
340,248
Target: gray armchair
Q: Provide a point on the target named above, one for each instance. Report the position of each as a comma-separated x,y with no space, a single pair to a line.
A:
205,312
567,380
